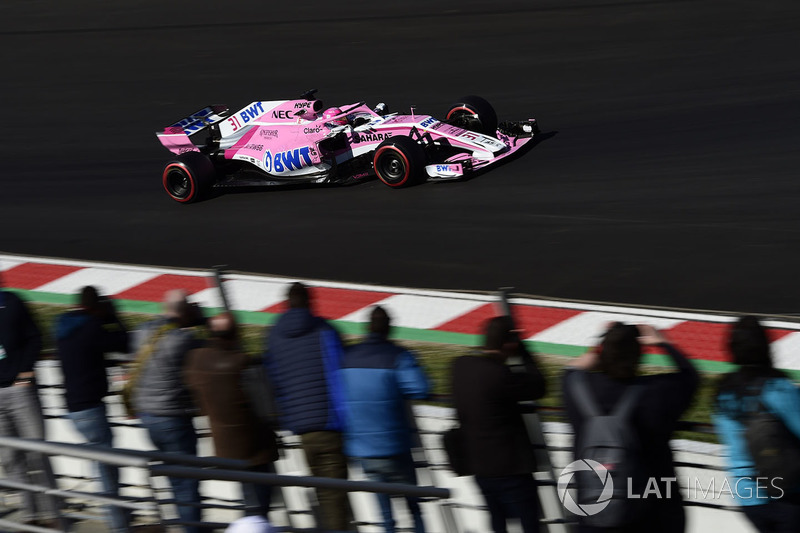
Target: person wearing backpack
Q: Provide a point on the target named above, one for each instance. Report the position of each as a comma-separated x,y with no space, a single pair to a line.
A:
624,422
757,416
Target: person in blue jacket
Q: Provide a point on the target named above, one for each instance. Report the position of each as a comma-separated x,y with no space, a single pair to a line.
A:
304,353
740,392
379,377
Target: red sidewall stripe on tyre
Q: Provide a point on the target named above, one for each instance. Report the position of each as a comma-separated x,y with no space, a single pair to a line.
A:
191,182
462,108
408,166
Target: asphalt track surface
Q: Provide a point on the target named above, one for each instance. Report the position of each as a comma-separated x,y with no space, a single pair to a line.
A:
668,176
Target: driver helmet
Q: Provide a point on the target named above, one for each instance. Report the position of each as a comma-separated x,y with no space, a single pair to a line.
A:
331,112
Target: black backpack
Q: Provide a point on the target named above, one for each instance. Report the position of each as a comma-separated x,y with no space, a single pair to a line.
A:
610,440
774,448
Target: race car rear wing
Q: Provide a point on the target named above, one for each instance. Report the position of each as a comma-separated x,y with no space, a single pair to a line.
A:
201,119
176,136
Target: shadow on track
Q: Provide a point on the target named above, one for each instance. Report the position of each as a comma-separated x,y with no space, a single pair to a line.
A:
513,157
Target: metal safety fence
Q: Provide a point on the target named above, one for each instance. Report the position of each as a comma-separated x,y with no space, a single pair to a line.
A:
452,503
158,464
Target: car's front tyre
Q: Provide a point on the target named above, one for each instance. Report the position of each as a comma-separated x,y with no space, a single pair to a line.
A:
399,162
188,177
473,113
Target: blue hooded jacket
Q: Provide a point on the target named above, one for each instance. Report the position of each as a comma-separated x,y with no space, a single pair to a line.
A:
378,377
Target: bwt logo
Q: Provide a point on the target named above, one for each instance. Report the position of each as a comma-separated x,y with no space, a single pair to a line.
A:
252,112
428,122
288,160
587,509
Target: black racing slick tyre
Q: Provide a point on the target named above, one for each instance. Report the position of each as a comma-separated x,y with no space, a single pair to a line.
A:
189,177
473,113
399,162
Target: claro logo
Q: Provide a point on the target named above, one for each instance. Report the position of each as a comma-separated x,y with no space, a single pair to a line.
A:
587,509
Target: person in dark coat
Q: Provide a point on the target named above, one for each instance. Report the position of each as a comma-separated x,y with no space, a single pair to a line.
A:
303,359
609,371
20,409
486,394
216,376
83,337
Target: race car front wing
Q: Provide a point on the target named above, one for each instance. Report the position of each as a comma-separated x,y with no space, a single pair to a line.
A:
513,134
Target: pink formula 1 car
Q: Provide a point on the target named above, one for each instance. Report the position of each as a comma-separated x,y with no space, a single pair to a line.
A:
294,141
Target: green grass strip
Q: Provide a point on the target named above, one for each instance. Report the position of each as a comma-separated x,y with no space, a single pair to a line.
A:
259,318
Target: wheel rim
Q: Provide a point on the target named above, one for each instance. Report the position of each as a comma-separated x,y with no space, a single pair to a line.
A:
392,167
465,119
178,183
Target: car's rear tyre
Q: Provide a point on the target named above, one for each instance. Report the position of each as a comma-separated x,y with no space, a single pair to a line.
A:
189,177
399,162
473,113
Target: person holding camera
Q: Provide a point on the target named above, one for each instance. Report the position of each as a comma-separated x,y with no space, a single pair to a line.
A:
603,392
498,451
83,338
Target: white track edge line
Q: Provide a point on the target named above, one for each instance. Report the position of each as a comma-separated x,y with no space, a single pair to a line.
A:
609,308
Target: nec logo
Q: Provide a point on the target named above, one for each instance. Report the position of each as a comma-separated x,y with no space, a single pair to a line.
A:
282,115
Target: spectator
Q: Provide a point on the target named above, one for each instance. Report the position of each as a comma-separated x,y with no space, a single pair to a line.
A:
753,387
303,358
160,397
83,337
486,393
378,378
608,372
20,410
216,377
